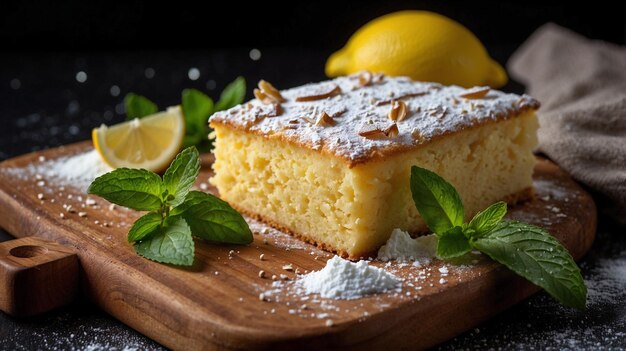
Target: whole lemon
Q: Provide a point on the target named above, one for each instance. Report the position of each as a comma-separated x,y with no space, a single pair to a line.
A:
422,45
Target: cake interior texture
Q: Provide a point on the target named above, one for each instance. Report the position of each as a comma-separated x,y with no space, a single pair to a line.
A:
352,209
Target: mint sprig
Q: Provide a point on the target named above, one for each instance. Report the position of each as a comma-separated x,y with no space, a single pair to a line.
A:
527,250
176,213
197,108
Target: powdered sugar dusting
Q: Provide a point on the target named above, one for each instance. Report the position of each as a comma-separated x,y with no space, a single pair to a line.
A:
342,279
433,110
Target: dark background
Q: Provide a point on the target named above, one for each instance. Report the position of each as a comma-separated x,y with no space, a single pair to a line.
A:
148,48
44,44
134,25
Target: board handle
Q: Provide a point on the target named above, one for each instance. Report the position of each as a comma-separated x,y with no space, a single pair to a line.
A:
36,276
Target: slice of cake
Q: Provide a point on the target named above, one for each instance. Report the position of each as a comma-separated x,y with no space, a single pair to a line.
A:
330,162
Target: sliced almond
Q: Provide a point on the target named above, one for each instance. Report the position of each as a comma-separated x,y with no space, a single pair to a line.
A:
398,110
324,120
392,131
278,110
378,77
401,97
261,96
269,90
417,135
289,126
308,119
437,112
365,78
375,132
370,131
475,93
334,92
275,111
338,113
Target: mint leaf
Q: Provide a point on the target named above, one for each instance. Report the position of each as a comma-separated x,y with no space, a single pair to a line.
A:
213,219
537,256
138,106
232,95
144,226
170,244
436,200
452,243
197,107
486,220
133,188
181,175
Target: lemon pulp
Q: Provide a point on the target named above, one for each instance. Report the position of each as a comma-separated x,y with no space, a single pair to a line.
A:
150,143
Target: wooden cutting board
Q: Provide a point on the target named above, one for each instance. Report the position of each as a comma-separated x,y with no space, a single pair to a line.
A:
215,304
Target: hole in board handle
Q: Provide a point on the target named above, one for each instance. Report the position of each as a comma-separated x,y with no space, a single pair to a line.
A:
28,251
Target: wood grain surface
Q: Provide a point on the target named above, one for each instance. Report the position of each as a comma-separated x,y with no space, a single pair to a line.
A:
36,276
215,303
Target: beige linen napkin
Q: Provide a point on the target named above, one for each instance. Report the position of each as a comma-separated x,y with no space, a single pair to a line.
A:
582,88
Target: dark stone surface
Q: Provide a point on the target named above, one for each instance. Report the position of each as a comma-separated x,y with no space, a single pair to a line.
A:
43,105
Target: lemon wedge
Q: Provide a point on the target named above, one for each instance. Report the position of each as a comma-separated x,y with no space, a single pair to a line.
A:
150,143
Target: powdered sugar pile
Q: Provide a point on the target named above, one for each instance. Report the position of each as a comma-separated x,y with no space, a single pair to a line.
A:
342,279
78,170
402,247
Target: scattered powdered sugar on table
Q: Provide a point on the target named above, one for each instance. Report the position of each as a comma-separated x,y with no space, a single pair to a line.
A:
541,323
402,247
77,327
609,280
77,170
342,279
